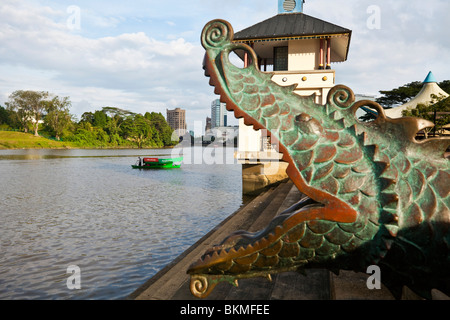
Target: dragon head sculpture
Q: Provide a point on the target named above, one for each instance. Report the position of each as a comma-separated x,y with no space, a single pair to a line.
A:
375,195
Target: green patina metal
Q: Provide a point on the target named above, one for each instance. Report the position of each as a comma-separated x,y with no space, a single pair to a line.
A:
375,195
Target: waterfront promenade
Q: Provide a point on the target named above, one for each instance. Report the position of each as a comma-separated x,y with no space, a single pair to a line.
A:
172,282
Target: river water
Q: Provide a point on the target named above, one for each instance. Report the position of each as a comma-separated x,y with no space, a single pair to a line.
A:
89,211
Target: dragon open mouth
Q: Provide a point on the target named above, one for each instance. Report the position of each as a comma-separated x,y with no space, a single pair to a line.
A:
244,240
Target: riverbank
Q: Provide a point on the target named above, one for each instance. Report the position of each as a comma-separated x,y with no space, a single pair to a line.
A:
20,140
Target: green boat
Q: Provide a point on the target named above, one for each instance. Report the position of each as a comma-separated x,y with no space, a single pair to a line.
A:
158,163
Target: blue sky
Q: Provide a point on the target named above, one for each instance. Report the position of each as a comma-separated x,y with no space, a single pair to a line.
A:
146,55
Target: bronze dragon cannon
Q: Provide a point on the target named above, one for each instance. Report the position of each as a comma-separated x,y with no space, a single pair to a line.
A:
375,195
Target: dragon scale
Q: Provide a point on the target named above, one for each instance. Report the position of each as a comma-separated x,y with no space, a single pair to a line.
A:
374,195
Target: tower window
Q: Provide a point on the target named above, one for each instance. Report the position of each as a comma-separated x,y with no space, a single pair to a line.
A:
280,59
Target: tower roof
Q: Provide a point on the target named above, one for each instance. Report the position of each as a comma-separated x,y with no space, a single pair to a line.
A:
286,26
298,26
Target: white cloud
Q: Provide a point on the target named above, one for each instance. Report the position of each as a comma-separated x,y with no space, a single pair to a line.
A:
408,44
118,70
147,56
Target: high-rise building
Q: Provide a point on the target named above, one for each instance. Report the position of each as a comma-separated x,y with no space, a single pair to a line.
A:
218,114
208,124
177,120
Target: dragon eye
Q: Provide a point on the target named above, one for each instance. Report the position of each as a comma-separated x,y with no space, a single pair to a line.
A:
303,117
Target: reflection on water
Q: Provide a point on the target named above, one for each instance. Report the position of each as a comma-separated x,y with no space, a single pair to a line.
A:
39,154
89,208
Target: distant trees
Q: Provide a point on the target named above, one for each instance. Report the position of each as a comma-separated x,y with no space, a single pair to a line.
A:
6,119
403,94
151,130
115,127
400,95
29,107
108,127
162,135
58,118
116,119
139,130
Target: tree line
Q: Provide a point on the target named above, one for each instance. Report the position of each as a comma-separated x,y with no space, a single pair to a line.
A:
42,113
437,111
